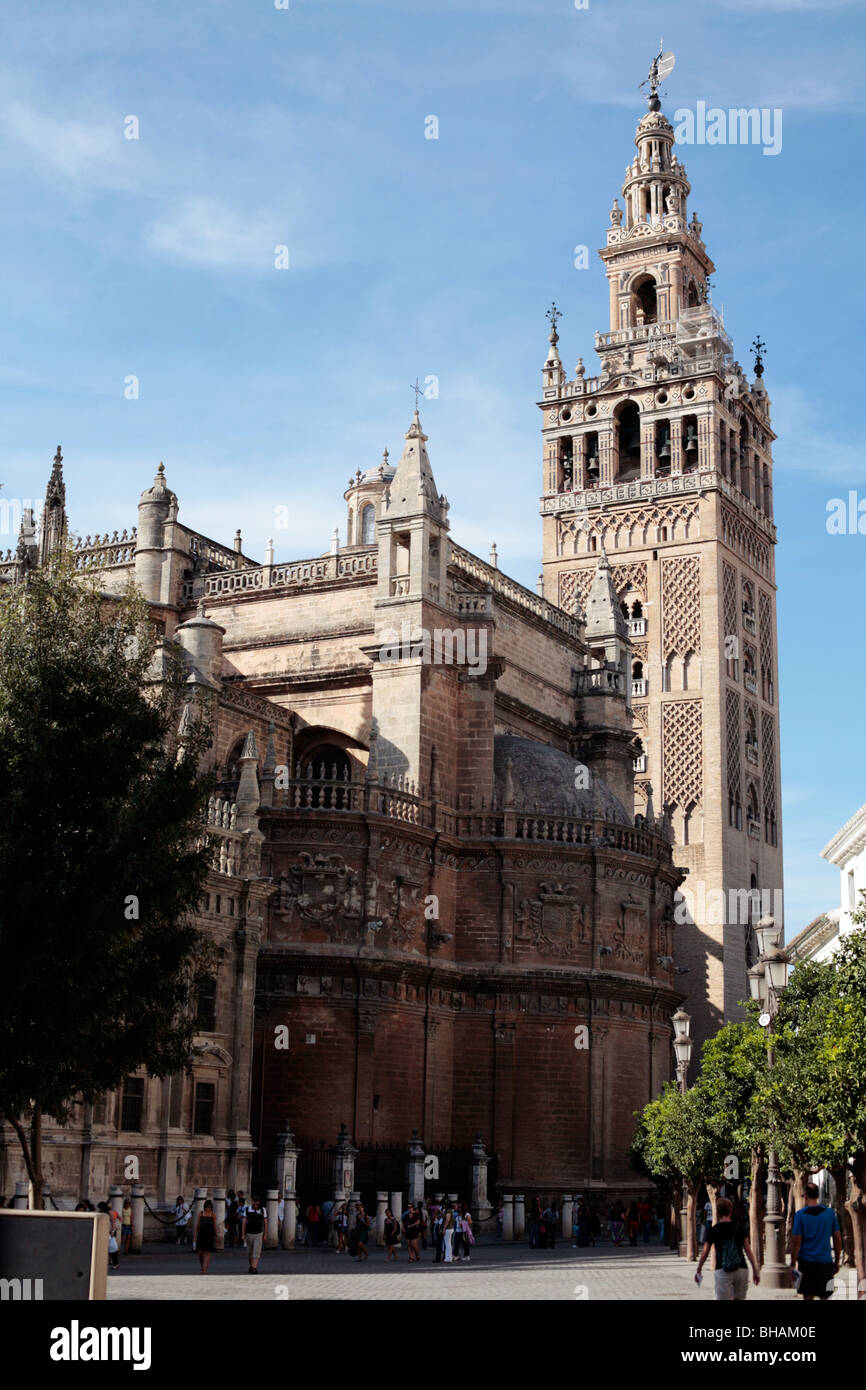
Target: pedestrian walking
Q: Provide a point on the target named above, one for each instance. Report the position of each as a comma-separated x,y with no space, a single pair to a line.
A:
204,1236
412,1232
535,1223
254,1230
241,1213
448,1236
731,1244
551,1218
392,1235
632,1222
645,1216
341,1223
182,1214
468,1233
281,1216
439,1235
616,1217
660,1220
126,1225
113,1233
314,1215
362,1233
231,1218
816,1247
424,1224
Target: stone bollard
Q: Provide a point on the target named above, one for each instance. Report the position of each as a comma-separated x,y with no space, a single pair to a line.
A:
566,1215
115,1197
197,1204
137,1240
272,1237
507,1216
219,1218
519,1216
21,1199
381,1207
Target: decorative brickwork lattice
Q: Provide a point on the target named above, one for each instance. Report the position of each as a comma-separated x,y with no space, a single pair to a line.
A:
765,630
729,601
575,582
581,580
732,734
682,751
681,605
768,749
739,536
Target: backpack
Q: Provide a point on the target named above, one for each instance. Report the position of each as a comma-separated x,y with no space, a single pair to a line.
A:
730,1256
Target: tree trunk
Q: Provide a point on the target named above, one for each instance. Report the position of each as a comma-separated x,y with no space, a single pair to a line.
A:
855,1205
691,1214
674,1222
756,1205
36,1149
795,1199
31,1150
846,1226
713,1194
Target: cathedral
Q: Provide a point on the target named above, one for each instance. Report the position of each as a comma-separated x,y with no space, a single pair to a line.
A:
456,820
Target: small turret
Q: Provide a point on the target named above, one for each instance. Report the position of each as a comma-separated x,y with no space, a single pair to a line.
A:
52,537
154,510
202,642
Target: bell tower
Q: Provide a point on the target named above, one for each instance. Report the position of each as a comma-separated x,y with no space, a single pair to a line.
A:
663,461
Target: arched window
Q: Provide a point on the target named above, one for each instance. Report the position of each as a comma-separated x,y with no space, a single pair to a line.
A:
628,440
637,670
644,306
368,524
689,443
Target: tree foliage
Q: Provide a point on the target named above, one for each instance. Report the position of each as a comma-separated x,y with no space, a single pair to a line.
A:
100,867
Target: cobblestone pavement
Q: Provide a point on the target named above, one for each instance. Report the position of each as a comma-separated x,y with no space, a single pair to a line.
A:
495,1272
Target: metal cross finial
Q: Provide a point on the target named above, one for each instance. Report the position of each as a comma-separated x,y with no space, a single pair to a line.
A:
758,349
554,315
419,391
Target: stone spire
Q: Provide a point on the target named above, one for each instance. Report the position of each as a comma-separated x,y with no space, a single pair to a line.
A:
413,489
604,618
54,524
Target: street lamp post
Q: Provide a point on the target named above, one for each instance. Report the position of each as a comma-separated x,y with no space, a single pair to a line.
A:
767,981
683,1048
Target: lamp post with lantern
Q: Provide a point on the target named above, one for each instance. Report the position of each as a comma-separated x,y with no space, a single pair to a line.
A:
767,982
683,1044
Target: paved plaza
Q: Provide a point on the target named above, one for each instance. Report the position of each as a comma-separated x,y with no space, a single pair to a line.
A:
496,1271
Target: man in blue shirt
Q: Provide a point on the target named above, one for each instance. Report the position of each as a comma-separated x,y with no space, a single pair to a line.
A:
816,1246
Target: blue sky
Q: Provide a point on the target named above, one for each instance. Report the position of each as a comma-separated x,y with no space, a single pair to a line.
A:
305,127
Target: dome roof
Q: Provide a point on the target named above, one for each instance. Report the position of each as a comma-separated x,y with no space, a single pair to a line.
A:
382,473
544,775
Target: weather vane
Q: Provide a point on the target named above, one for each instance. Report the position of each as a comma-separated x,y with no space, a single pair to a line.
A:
419,391
758,349
660,68
554,315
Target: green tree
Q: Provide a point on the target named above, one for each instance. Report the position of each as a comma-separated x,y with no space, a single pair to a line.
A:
102,858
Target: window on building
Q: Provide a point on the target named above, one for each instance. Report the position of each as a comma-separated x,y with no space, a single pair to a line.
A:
132,1103
175,1100
644,306
205,1005
368,524
205,1097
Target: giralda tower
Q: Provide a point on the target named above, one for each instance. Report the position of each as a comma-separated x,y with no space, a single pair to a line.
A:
664,460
